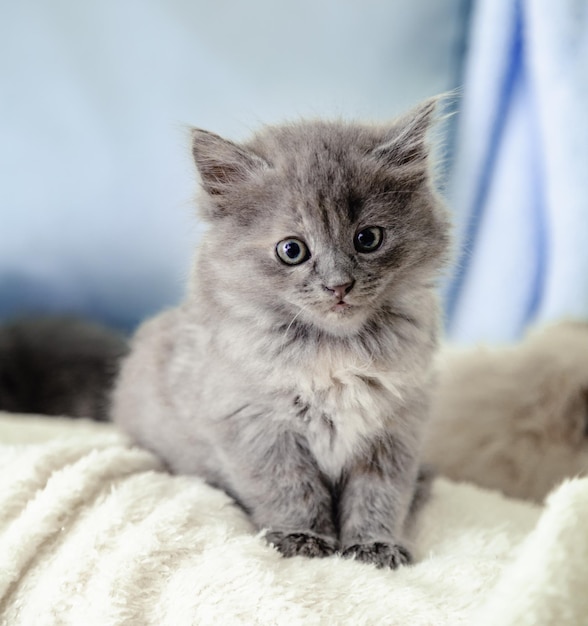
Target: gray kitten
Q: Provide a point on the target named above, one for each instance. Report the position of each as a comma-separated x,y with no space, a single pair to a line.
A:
295,375
513,417
58,366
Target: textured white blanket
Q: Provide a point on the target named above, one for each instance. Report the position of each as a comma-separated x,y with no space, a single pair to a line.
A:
92,531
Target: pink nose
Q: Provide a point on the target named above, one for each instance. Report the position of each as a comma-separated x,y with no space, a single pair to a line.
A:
341,291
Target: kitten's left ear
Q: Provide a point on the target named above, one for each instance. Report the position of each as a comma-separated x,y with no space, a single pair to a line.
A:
405,143
222,164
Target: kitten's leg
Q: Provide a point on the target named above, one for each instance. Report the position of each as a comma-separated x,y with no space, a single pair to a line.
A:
285,493
422,491
377,491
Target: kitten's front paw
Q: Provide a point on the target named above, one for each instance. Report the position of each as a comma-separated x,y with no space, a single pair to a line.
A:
380,554
303,543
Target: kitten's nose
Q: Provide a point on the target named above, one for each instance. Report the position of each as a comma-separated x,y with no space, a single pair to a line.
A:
340,291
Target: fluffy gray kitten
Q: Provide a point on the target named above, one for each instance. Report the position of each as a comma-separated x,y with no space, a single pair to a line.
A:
295,375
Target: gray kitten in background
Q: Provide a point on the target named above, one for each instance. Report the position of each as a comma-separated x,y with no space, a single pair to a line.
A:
58,365
513,417
295,375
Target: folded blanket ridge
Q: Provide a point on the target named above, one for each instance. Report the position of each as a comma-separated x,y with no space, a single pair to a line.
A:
32,467
75,480
547,580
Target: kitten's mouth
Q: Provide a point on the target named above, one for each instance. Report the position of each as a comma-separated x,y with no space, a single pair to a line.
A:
341,307
340,317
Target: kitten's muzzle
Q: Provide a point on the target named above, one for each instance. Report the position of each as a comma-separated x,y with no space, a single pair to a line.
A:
340,291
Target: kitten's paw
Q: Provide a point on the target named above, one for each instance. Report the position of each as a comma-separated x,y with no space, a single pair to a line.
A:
303,543
380,554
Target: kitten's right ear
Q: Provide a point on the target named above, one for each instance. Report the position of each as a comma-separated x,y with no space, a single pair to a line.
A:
406,141
222,164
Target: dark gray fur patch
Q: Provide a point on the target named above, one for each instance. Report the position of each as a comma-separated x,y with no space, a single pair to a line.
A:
301,544
58,365
380,554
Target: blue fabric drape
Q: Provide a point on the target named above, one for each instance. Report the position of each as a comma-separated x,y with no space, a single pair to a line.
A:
519,182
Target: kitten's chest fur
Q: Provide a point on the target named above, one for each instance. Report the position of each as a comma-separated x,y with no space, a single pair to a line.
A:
342,402
337,397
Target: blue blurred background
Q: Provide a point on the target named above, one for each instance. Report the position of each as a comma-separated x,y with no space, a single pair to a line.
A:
97,185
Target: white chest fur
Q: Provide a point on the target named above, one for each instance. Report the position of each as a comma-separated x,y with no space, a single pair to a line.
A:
344,402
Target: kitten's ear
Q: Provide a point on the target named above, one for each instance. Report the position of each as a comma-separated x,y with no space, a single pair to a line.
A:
405,143
222,163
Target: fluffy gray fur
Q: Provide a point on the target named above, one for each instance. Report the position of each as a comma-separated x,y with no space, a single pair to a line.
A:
302,390
513,417
58,366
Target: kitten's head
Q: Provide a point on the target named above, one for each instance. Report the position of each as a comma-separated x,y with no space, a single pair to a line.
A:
321,221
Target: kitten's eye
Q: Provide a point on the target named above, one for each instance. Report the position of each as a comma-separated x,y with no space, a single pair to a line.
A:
369,239
292,251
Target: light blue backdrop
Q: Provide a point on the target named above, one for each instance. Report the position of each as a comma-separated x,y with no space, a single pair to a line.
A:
96,183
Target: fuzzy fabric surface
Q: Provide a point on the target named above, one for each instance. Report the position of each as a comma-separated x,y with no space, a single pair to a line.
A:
94,531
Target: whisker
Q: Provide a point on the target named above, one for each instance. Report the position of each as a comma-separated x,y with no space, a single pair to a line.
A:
294,319
285,336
